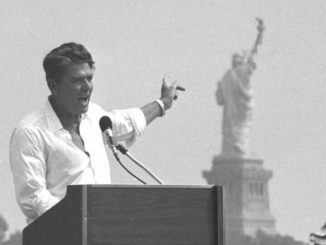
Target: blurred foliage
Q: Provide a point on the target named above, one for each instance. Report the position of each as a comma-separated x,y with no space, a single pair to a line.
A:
262,238
13,239
3,228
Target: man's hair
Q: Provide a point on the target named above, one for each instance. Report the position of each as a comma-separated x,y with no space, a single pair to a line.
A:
58,59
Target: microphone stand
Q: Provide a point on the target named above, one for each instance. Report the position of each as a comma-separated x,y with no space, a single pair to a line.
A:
124,151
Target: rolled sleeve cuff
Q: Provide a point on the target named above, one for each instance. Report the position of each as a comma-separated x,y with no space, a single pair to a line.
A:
43,202
138,121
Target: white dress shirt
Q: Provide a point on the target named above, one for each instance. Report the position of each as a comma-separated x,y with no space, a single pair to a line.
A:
44,159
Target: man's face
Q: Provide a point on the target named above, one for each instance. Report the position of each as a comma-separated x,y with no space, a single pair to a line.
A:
73,90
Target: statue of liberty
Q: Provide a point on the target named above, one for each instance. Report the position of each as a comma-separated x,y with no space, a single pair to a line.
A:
234,93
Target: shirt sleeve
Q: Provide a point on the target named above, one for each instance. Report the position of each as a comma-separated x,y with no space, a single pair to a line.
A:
128,125
27,162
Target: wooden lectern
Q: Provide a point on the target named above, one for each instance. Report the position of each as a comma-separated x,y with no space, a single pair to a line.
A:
131,215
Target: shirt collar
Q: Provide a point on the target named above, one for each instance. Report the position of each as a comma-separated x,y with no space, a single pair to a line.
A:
54,123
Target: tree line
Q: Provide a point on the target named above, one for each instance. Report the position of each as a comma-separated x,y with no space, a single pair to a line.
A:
13,238
261,238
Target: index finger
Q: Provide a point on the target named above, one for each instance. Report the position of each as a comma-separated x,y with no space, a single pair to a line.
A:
165,79
180,88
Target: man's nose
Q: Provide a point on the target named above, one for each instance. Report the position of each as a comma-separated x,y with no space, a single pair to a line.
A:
87,84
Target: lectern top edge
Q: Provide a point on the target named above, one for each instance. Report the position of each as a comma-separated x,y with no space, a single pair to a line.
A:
148,186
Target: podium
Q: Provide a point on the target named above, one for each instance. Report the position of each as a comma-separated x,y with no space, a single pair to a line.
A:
132,215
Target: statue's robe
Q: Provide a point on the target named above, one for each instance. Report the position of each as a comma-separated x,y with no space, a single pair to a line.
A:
236,96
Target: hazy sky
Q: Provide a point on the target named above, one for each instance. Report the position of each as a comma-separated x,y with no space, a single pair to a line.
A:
135,43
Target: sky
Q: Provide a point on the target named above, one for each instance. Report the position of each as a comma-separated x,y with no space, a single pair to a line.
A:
135,43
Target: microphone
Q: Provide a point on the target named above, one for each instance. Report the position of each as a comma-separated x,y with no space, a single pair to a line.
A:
106,127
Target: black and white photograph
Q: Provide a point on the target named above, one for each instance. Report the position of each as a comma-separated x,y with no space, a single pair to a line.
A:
173,122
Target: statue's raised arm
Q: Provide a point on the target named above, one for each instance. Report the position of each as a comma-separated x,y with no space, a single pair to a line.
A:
259,38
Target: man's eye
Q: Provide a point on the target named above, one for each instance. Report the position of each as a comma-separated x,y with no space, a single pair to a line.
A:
79,80
82,80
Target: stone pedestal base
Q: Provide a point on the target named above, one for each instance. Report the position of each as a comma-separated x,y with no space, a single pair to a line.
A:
246,198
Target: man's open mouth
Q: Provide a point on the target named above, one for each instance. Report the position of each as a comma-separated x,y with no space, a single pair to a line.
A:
84,100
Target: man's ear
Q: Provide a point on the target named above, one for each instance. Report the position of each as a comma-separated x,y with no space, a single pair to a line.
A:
51,85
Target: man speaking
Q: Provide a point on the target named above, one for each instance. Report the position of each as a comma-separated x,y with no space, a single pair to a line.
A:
62,144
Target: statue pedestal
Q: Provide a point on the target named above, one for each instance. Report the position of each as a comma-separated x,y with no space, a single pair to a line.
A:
246,195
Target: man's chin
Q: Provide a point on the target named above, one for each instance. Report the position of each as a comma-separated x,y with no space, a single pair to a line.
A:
83,109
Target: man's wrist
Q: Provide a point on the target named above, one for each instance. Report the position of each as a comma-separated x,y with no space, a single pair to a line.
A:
162,106
167,102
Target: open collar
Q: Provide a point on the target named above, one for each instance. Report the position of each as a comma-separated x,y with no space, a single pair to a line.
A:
53,121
